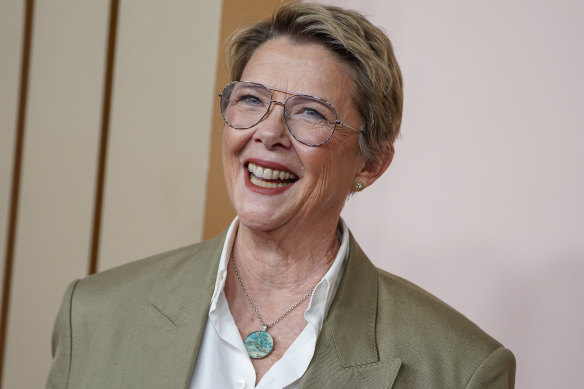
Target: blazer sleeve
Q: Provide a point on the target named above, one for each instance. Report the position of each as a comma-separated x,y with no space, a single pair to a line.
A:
496,372
61,343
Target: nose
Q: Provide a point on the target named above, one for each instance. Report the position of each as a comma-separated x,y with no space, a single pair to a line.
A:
272,130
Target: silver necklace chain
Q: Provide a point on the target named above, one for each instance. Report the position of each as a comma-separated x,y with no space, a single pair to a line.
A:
255,309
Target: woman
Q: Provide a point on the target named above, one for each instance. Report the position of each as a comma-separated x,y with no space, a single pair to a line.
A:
284,298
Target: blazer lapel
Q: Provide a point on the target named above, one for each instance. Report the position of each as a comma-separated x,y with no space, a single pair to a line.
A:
180,309
346,351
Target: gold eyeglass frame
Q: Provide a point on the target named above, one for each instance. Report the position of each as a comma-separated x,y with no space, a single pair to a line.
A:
283,104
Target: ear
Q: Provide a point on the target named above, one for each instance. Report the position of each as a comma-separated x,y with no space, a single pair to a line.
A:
372,170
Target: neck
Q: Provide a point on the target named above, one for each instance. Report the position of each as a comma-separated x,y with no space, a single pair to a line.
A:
280,260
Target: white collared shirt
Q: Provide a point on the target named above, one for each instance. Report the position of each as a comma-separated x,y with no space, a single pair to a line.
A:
223,361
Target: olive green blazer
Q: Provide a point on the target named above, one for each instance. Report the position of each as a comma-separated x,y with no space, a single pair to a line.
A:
140,326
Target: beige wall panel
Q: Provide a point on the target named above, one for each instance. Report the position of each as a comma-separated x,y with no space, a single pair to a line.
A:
11,27
163,96
65,90
483,203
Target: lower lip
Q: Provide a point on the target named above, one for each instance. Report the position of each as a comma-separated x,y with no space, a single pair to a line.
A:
262,190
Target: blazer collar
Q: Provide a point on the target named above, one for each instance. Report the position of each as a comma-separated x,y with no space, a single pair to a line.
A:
346,353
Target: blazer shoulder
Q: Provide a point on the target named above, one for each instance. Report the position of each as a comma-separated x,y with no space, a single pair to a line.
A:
146,316
404,305
424,311
411,319
142,275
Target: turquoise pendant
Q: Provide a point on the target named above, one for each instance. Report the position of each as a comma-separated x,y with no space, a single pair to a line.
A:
259,344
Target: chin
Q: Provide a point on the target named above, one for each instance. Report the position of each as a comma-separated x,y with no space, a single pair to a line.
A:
258,222
262,215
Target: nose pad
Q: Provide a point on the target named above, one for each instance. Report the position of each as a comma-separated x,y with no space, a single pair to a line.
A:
272,130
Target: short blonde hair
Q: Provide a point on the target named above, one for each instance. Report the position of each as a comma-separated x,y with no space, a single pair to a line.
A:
354,40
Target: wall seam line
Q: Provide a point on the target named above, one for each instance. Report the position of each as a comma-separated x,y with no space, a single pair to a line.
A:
104,137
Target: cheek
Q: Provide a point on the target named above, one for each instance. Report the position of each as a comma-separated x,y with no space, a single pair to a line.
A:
333,167
230,138
342,158
233,142
230,152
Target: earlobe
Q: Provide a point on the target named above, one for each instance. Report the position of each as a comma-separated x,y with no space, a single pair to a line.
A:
372,170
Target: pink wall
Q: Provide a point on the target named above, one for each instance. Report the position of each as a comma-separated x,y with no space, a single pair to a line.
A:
483,205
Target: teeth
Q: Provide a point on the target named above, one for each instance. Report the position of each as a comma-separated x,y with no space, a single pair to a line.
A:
270,174
265,184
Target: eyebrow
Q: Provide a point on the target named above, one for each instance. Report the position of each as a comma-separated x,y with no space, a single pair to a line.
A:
288,92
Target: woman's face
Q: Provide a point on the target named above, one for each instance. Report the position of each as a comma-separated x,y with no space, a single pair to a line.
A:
323,176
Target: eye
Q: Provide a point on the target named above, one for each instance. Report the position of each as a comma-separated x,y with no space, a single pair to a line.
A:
249,99
310,110
310,114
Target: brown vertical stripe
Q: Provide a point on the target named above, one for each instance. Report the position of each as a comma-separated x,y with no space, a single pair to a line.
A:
234,14
105,124
16,172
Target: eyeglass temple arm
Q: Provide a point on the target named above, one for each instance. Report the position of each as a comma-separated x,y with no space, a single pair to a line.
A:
338,122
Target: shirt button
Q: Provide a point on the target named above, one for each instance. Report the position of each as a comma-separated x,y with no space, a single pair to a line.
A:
240,384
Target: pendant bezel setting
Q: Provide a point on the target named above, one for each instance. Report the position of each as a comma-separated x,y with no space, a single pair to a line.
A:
259,344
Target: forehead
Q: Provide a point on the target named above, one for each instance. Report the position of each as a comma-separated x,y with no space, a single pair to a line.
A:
306,68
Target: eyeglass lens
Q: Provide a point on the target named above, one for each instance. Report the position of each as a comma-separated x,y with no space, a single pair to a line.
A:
309,119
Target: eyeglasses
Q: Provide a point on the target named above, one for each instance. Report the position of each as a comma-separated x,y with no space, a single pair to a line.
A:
309,119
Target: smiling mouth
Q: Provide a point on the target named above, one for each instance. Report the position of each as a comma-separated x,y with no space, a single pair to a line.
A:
270,178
